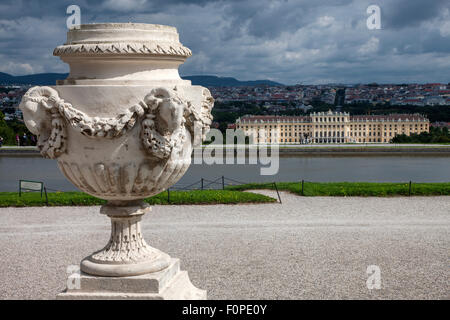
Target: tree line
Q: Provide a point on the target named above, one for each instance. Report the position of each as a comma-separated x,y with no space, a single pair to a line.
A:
10,130
436,135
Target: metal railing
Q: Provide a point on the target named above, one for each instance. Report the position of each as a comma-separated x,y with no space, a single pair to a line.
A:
217,184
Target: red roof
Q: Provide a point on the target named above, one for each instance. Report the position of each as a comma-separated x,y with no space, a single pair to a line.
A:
389,117
275,118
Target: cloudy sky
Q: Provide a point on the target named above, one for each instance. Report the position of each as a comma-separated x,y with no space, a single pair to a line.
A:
298,41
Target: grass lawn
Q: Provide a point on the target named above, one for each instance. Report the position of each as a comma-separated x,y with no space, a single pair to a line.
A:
236,194
364,189
33,199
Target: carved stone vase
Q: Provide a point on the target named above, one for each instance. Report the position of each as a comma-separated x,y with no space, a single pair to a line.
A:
122,128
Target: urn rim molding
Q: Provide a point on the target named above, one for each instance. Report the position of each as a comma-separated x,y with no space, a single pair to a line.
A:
112,39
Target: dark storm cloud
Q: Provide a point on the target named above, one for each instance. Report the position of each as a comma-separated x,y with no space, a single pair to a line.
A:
288,41
411,13
270,18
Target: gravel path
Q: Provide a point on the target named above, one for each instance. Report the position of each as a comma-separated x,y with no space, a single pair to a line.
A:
305,248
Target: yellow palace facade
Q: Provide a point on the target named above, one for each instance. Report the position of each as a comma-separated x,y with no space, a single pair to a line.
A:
330,127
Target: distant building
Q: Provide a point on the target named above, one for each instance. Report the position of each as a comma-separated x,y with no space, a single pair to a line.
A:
305,108
331,127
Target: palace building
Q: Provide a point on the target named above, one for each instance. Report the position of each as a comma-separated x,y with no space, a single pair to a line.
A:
330,127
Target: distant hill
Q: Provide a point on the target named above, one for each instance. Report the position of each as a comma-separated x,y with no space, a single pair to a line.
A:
33,79
214,81
206,81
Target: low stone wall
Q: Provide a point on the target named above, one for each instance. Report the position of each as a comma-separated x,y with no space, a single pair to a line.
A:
19,151
310,150
366,150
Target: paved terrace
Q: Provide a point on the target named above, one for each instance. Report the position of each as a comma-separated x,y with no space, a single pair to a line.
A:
305,248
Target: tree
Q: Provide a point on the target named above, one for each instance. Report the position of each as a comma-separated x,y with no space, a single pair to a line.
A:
6,132
9,130
436,135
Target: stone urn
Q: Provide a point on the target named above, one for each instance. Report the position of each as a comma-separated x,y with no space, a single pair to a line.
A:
122,127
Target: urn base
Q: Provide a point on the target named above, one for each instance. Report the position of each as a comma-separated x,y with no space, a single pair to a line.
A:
156,264
168,284
126,253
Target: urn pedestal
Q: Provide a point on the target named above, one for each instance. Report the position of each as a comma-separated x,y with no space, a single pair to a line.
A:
168,284
122,127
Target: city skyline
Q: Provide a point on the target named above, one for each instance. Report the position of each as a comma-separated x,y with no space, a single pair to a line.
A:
285,41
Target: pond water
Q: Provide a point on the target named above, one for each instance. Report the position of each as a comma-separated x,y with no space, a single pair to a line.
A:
292,168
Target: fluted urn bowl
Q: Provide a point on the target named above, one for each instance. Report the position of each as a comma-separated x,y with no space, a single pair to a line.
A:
121,127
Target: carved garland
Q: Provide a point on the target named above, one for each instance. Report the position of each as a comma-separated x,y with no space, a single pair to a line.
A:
165,116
